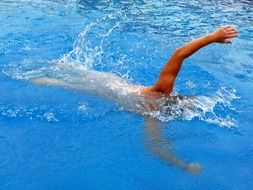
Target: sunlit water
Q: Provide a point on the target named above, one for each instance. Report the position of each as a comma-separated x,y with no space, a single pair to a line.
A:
52,137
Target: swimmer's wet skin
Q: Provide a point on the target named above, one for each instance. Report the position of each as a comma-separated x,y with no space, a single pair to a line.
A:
135,96
48,81
165,82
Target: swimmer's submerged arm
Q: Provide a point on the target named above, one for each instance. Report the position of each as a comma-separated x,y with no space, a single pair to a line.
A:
171,69
159,147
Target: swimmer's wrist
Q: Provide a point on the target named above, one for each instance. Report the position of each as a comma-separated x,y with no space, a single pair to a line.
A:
212,37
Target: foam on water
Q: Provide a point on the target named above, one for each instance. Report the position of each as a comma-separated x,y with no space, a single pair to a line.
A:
11,111
201,107
72,68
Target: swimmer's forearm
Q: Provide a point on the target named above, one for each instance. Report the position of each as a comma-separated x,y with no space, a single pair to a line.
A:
191,47
221,35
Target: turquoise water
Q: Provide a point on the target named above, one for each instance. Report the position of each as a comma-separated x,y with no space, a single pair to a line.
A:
56,138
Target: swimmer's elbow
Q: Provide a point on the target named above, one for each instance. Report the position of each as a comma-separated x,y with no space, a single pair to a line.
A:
178,53
181,53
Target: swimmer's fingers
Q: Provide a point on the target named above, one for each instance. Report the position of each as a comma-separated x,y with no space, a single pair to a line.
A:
231,30
222,35
194,168
232,35
227,41
228,28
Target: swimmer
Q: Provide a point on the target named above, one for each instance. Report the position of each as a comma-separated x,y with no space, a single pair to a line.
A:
164,87
141,99
108,84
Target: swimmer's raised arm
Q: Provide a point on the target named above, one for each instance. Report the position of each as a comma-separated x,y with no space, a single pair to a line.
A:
169,73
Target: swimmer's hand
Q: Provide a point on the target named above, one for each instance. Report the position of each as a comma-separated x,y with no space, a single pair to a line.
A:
194,168
223,34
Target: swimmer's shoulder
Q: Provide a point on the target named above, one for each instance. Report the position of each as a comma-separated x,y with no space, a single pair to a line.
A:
151,92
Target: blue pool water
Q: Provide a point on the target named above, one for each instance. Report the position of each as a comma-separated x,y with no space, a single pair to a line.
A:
55,138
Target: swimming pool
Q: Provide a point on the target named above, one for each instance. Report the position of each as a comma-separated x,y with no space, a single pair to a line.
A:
53,138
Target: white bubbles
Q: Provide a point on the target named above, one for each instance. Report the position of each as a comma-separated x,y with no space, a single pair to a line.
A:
50,116
82,107
190,85
31,113
200,107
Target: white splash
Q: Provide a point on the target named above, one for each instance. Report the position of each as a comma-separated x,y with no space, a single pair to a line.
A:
200,107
